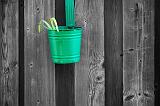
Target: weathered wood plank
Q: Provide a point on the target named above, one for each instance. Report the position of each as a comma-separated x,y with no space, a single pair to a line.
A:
21,53
113,31
64,82
138,48
60,12
89,73
9,53
39,69
157,53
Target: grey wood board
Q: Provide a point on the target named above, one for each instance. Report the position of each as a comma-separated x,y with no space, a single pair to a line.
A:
113,27
138,48
89,73
39,69
9,53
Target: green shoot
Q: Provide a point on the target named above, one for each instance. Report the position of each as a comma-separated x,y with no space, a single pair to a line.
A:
40,26
51,23
46,24
53,20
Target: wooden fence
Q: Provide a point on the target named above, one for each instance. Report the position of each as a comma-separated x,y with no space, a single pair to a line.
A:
118,67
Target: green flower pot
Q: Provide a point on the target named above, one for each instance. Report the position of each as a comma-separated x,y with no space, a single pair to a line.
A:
65,45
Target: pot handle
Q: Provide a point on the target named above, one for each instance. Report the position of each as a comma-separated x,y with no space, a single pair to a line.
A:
69,9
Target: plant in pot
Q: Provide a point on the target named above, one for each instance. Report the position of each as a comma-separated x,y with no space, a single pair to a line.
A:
65,41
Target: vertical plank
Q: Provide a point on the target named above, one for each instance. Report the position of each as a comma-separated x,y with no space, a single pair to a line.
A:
148,57
39,69
64,73
60,12
64,82
9,53
89,73
157,52
21,53
113,30
138,48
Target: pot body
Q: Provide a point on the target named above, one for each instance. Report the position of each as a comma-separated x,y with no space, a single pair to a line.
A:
65,45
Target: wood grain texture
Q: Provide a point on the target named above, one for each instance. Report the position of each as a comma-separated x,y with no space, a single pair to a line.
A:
64,82
9,53
157,53
39,69
138,48
60,12
89,73
113,37
21,53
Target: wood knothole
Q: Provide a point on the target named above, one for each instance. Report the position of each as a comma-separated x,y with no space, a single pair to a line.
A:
121,54
31,65
131,49
38,101
129,97
6,104
38,10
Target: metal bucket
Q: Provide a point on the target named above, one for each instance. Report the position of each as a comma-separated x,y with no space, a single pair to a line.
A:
65,45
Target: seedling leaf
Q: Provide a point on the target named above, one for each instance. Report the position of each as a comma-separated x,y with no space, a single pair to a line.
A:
53,20
39,26
45,24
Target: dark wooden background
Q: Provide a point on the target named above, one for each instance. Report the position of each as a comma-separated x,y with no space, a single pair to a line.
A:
120,56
